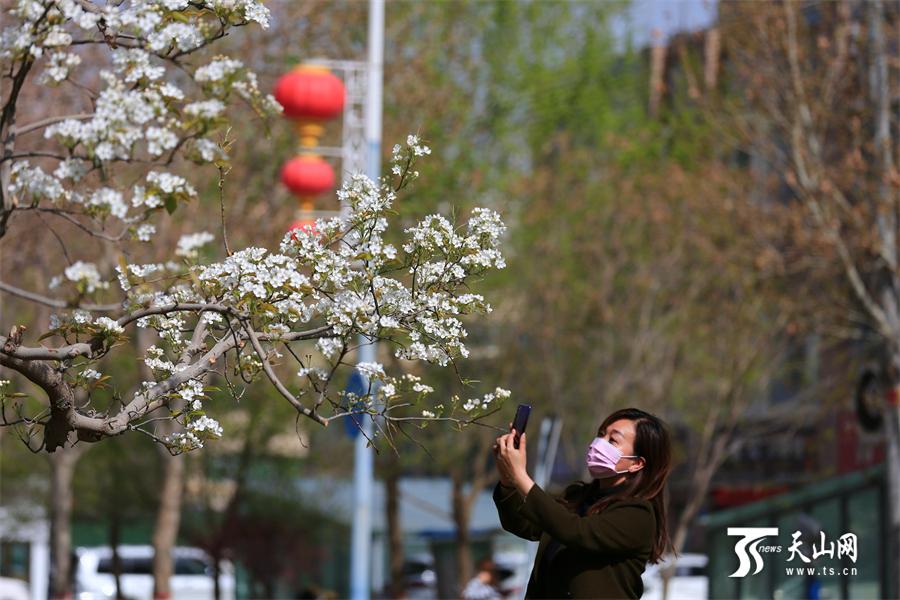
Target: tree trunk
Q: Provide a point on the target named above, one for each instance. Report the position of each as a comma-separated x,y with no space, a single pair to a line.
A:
62,471
168,516
892,432
699,485
217,572
168,520
395,534
116,559
461,512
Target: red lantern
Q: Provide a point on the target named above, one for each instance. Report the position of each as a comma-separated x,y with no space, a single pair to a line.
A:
307,175
310,92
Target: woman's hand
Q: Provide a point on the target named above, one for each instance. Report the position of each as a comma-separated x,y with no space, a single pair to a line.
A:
505,479
512,461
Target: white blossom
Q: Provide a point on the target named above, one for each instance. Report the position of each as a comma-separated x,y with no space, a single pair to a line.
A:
145,232
422,388
484,402
109,325
371,369
205,426
189,244
84,274
328,346
218,69
207,109
58,66
107,201
160,139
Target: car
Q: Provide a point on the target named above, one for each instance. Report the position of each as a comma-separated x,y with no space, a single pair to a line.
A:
419,576
192,578
13,589
688,582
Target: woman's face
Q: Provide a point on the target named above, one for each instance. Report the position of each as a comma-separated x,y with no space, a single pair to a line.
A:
621,434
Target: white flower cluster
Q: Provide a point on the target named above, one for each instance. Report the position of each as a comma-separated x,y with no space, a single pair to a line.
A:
415,145
313,373
421,388
218,70
109,326
330,346
206,109
255,275
85,276
192,393
401,155
107,201
372,370
136,65
121,116
143,108
133,274
195,433
31,184
189,244
153,358
58,66
206,427
183,441
159,140
497,394
342,277
145,232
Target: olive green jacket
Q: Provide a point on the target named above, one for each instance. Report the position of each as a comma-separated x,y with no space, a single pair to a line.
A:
603,554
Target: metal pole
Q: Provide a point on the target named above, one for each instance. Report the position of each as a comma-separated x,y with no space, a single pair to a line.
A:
361,552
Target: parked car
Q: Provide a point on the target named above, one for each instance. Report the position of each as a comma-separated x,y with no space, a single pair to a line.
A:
688,582
13,589
419,576
192,577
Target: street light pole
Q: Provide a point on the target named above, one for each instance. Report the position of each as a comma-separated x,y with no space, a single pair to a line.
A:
361,551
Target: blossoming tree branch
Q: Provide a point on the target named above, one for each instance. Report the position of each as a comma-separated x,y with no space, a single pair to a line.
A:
112,174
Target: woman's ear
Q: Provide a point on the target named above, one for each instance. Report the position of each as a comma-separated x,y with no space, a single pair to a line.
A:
639,463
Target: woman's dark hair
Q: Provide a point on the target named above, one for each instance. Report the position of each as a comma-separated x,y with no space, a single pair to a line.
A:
652,442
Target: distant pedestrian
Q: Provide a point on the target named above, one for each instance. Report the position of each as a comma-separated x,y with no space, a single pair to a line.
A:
484,585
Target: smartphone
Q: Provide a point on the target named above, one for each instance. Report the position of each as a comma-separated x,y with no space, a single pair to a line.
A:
520,421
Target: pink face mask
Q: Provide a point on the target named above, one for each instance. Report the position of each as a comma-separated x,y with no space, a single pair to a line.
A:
602,458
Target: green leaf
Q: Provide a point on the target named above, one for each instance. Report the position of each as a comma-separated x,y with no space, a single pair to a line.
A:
50,333
171,204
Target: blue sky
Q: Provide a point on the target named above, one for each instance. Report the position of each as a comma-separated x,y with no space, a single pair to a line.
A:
667,16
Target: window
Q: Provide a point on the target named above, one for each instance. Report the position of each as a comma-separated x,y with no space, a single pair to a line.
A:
129,566
15,558
191,566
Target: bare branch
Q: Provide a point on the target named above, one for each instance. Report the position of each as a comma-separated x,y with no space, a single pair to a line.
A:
54,303
270,373
50,121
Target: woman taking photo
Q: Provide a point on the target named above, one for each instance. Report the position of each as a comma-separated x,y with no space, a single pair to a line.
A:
597,538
